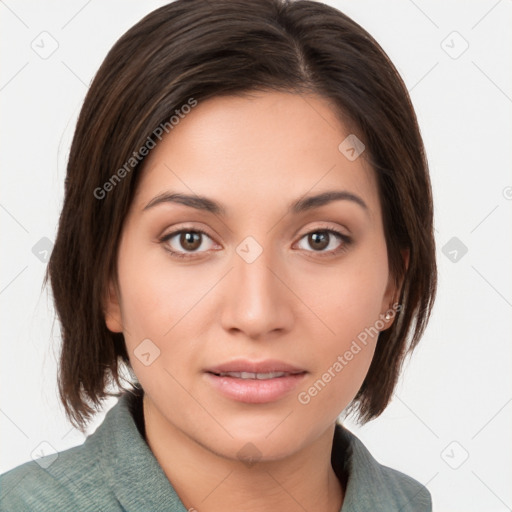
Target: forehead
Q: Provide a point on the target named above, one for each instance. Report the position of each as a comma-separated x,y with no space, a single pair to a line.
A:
255,150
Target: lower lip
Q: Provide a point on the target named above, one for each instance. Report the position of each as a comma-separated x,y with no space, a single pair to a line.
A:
255,391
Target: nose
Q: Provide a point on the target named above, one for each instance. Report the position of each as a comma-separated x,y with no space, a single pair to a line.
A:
257,301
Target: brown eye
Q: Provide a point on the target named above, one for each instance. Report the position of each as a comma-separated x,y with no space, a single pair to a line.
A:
318,240
325,241
185,242
190,240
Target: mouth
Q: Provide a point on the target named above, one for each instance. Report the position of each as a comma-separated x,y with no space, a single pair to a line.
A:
257,376
255,382
246,366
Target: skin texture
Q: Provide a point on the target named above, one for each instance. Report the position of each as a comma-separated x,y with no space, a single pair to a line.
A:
254,155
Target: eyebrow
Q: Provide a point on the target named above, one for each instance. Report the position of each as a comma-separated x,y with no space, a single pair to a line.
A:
301,205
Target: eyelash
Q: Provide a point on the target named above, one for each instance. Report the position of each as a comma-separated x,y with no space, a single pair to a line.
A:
184,255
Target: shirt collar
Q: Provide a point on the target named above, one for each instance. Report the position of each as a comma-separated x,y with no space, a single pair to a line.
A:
139,482
132,471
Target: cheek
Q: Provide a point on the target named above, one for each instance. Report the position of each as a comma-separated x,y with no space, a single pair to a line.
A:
155,294
349,301
342,358
348,298
161,303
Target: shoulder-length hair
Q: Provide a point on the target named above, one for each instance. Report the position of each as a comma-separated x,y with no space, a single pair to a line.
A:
194,49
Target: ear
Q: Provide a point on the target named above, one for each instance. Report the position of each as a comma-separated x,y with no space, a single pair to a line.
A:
112,309
390,306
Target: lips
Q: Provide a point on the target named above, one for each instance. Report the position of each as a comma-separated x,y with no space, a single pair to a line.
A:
254,367
250,375
254,382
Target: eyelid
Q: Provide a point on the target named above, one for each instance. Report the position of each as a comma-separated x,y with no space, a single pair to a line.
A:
184,255
180,229
325,226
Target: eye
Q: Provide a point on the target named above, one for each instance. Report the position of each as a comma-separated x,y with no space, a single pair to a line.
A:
184,243
326,241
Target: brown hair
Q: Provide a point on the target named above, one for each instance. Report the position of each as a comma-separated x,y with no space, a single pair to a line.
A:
197,49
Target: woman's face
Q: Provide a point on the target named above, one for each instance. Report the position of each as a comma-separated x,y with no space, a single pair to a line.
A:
282,285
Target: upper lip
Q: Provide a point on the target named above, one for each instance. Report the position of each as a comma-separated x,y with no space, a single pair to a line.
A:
245,365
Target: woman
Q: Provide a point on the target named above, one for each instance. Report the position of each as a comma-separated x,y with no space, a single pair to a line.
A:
247,228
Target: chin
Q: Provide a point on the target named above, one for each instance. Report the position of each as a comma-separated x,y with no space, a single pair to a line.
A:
251,451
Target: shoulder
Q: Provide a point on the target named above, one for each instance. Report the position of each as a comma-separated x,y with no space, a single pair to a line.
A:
408,493
77,478
32,486
372,485
63,481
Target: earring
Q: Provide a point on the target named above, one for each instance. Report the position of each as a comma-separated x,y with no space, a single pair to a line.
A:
387,316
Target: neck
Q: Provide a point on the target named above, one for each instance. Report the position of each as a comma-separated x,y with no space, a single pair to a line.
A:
209,482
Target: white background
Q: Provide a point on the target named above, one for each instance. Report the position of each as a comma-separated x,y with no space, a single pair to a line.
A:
450,421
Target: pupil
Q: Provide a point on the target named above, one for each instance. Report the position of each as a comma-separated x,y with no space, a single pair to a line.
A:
320,240
187,240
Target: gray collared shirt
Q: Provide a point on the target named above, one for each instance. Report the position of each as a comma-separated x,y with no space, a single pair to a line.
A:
114,470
